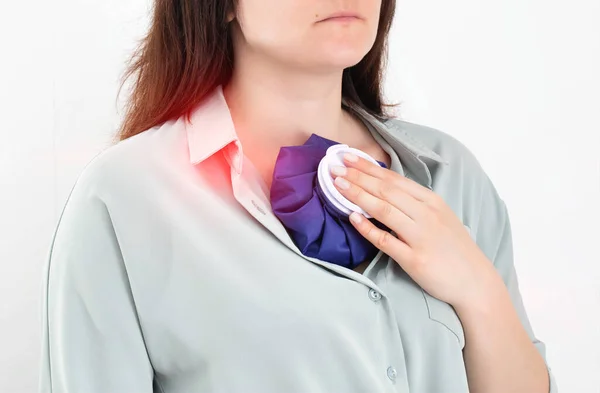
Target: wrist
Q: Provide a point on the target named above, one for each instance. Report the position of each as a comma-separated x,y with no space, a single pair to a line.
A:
486,295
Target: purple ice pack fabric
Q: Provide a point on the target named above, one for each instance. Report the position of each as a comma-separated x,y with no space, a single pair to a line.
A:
315,225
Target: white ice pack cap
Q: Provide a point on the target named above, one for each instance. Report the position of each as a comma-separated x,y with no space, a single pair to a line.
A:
335,156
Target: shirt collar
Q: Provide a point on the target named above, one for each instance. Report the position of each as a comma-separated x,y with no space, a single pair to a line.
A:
211,129
394,133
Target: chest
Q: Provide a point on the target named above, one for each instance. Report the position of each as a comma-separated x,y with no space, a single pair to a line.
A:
225,274
220,292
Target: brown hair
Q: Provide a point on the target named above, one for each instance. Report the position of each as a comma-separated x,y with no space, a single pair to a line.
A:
188,52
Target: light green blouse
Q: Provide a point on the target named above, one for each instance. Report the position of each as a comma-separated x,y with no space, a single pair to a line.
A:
169,273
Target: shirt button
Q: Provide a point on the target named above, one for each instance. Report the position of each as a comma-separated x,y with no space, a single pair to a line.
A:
391,373
374,295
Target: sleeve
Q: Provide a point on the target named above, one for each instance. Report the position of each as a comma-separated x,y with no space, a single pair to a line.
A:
91,337
502,256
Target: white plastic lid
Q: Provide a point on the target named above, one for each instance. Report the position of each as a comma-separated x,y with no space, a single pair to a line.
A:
335,156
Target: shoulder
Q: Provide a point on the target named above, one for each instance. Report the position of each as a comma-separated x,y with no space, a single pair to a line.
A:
131,163
123,178
462,167
442,143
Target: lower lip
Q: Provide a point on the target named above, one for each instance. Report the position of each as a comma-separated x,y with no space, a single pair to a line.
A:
341,19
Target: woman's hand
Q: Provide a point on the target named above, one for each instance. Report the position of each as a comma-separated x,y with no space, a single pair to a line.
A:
431,243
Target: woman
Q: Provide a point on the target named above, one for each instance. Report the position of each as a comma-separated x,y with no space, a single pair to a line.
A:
169,271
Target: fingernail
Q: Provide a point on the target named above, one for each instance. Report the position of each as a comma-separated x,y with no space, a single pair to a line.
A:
355,217
351,157
339,170
342,183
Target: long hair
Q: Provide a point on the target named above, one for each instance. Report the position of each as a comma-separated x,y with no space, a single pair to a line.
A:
188,51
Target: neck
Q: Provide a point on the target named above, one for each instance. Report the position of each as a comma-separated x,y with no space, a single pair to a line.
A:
280,104
274,105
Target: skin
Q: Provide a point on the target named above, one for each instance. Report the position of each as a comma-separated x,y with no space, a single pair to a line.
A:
286,85
287,79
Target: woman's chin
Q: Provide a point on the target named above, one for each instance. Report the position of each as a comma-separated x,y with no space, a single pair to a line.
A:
330,57
342,60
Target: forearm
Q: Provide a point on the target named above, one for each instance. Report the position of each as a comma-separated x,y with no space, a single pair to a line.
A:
499,355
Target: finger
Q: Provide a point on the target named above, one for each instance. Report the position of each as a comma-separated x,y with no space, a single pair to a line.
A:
382,189
381,210
409,186
385,241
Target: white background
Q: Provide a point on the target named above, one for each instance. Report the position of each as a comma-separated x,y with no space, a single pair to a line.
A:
517,81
